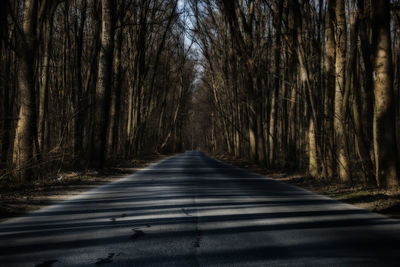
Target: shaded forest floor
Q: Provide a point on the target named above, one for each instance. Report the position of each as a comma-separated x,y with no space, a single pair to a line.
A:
386,202
17,199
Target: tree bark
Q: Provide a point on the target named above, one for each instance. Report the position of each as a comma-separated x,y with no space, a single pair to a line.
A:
23,143
339,117
115,106
312,151
103,88
329,74
386,161
79,95
275,99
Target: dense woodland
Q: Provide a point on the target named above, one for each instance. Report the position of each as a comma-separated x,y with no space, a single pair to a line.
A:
86,82
311,86
303,85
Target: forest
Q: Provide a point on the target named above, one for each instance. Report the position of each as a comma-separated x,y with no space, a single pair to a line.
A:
310,86
86,83
303,85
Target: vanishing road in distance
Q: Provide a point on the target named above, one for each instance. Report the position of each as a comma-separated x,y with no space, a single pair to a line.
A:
191,210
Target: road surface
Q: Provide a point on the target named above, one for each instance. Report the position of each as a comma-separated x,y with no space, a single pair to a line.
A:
191,210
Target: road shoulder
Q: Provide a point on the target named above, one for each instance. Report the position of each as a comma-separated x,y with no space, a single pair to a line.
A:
386,202
17,200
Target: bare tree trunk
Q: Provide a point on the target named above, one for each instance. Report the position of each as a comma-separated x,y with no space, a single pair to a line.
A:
313,167
47,32
339,117
275,105
115,95
79,95
23,143
103,89
386,161
44,82
352,87
329,72
6,85
253,149
292,71
367,94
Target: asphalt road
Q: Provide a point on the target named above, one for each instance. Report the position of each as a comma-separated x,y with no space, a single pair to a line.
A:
191,210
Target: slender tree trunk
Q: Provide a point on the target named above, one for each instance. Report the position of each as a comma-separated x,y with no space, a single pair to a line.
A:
47,32
329,71
253,151
367,94
9,93
361,143
44,83
79,95
115,95
292,71
339,117
352,87
312,151
274,105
